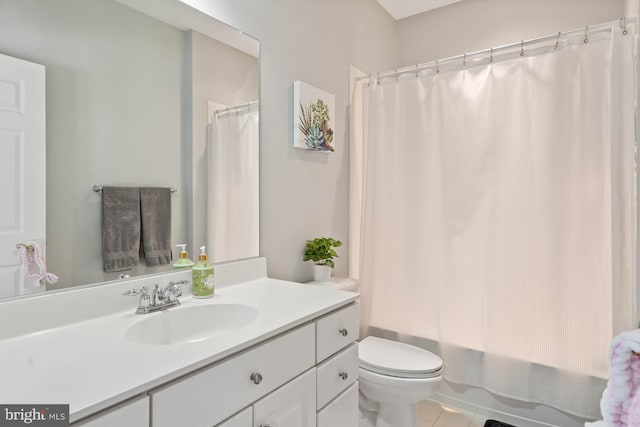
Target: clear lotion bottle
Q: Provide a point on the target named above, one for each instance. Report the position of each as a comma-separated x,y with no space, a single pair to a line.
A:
202,276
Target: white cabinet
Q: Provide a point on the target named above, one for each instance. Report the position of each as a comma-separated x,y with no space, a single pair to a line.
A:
133,413
292,405
305,377
342,411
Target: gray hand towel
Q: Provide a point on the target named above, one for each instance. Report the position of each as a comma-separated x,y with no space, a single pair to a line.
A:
120,227
155,209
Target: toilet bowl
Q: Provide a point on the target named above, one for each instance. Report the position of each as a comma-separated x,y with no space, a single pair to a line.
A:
396,376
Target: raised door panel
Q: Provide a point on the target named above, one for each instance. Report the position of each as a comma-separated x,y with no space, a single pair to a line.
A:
134,413
292,405
343,411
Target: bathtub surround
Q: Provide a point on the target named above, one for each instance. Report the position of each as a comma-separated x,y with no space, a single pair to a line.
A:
498,169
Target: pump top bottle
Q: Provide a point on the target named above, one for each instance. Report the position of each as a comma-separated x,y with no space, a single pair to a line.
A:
202,276
183,261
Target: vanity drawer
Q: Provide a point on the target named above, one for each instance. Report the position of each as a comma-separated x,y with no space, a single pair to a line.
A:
336,374
336,330
343,411
213,394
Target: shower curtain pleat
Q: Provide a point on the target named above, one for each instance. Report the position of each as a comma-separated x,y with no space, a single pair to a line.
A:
498,221
233,186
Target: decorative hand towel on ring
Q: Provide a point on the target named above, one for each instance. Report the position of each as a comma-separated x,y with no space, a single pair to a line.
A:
155,209
34,263
120,227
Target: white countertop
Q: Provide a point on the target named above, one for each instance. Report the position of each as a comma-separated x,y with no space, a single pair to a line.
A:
90,365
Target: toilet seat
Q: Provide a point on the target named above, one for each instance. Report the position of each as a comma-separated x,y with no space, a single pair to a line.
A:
396,359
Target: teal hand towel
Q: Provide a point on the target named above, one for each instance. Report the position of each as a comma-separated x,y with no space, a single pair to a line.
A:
120,227
155,212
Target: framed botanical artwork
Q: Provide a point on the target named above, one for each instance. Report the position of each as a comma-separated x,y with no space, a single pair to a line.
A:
313,117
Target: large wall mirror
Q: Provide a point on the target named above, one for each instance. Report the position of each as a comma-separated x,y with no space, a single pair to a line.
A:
138,94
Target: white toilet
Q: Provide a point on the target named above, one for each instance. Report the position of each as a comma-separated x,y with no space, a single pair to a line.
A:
396,376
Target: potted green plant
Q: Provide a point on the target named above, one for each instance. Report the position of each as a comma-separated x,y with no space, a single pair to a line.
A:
320,251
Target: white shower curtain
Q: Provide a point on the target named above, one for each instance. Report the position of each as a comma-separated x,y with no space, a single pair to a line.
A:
233,185
497,216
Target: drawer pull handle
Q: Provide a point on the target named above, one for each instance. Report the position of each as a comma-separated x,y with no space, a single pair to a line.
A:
343,375
265,425
344,332
256,378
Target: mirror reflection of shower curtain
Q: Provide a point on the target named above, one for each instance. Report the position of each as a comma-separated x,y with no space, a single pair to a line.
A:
233,185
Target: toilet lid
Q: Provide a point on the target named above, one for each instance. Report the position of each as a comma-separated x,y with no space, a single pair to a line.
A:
397,359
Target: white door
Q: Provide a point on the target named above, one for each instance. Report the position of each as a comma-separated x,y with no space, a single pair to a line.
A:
292,405
22,167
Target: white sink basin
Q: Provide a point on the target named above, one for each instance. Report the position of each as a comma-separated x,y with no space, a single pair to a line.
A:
190,324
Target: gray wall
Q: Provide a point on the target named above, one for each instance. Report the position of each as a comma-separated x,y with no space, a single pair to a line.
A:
473,25
114,97
305,194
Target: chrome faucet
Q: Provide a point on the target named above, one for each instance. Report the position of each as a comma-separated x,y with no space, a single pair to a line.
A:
159,299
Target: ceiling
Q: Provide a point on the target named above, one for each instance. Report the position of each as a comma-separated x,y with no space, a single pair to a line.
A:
403,8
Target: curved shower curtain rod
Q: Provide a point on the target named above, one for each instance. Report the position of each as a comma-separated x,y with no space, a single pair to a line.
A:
437,63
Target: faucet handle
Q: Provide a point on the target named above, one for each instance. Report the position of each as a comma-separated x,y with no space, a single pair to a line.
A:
174,290
143,290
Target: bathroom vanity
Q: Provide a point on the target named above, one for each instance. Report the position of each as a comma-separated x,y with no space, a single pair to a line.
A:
270,353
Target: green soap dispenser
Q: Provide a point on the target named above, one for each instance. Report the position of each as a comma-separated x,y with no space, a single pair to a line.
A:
202,276
183,261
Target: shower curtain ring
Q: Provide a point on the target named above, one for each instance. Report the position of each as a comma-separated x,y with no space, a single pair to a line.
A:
586,36
437,67
522,48
396,73
491,57
557,41
623,25
464,61
416,70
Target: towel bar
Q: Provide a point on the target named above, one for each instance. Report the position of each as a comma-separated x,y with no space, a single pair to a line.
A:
98,188
24,245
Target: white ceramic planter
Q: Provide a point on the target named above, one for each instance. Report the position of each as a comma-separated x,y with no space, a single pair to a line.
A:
321,273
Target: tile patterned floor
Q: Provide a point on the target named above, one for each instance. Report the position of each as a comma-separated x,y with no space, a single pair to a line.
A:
432,414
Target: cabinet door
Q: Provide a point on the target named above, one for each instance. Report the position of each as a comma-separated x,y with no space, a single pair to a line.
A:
292,405
134,413
343,411
243,419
